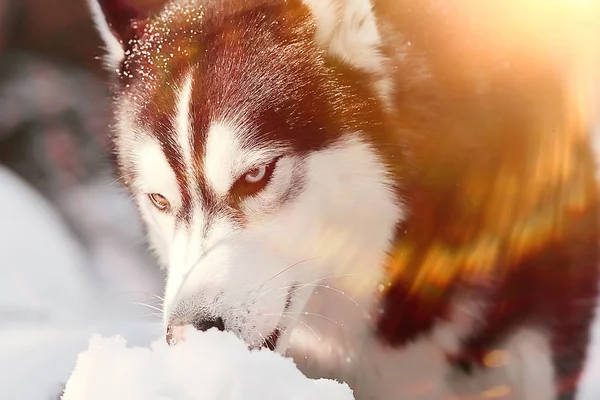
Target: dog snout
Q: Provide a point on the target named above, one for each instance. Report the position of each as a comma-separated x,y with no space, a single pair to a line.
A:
175,331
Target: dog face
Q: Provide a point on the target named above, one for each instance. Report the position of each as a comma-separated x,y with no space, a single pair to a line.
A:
244,132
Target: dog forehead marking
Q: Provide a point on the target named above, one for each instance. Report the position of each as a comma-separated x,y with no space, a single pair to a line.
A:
183,125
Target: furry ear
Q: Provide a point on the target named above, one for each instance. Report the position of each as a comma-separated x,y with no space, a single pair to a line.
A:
348,29
115,21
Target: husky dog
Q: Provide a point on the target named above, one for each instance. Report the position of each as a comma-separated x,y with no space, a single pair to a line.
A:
356,185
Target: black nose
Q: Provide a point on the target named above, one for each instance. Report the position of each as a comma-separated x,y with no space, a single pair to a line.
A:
205,324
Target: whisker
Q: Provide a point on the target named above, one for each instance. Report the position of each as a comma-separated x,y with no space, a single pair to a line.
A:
261,335
338,276
318,315
285,270
151,295
305,285
156,302
271,289
149,306
298,287
120,179
152,315
156,324
297,320
270,342
279,273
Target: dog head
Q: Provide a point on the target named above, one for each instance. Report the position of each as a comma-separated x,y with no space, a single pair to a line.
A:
245,133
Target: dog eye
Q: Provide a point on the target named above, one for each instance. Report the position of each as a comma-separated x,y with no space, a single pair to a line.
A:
159,201
254,180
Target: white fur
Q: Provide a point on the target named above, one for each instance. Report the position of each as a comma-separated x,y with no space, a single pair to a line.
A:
154,175
331,340
465,318
229,156
222,151
349,30
183,122
531,366
114,47
588,388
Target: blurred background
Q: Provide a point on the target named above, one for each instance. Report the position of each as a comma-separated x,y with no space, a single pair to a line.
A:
73,255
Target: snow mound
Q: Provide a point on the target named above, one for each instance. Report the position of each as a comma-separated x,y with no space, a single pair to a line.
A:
209,365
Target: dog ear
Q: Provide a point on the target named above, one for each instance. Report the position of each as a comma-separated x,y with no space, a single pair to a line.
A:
349,31
116,21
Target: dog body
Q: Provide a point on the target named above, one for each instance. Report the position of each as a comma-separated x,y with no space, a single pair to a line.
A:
328,179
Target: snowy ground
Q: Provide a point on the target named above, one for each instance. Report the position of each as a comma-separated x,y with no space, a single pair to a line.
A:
50,307
225,370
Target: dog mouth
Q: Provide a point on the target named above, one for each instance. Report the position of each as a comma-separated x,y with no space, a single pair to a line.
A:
270,341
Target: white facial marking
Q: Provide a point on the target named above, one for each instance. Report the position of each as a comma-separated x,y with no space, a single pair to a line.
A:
183,122
155,175
348,190
192,250
228,155
222,154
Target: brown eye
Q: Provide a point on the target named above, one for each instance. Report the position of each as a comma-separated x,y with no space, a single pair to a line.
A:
159,201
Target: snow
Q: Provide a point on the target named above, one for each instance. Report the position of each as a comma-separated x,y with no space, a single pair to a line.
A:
211,365
39,256
36,359
50,303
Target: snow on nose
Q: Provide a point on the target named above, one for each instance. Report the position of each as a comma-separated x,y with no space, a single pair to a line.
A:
175,332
